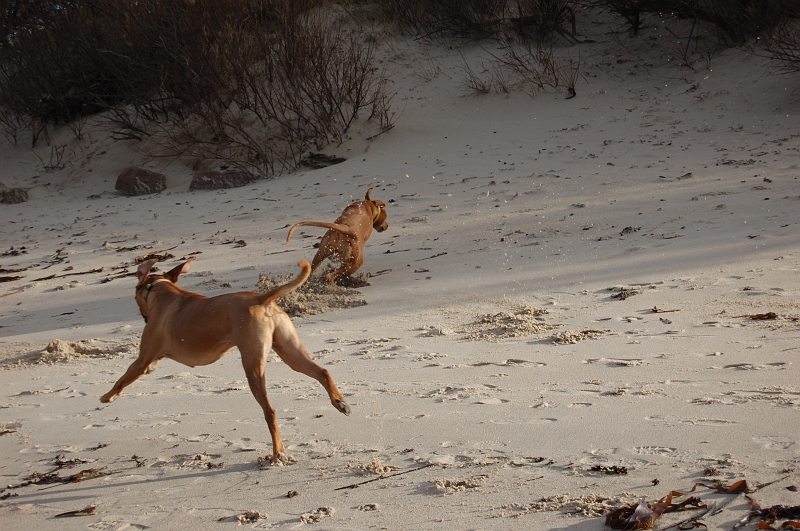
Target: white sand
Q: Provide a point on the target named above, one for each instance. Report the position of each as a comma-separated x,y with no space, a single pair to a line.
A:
678,186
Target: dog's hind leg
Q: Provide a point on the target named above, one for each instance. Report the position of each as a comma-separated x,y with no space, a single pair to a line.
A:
288,346
349,266
323,252
254,359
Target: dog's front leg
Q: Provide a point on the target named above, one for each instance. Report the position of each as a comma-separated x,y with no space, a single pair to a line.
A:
137,368
146,362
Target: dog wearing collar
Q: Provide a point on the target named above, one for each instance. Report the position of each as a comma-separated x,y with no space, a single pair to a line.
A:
347,235
196,330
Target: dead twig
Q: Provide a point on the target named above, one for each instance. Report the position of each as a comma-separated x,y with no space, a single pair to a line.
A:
51,277
80,512
757,316
20,290
656,309
2,270
434,256
289,250
126,273
83,475
356,485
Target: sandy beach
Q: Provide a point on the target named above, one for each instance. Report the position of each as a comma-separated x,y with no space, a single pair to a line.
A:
578,303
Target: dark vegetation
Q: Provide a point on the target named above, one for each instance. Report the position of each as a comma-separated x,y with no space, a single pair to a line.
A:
258,83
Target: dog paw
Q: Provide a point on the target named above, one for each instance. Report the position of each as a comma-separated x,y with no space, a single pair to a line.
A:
343,406
282,459
106,398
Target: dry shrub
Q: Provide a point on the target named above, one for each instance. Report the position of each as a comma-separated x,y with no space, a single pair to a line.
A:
262,95
47,66
733,21
783,46
782,42
703,28
13,125
531,65
480,19
301,86
472,19
631,11
524,29
250,82
542,18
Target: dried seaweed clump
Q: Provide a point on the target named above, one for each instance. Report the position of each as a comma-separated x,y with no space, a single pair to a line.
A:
314,297
644,515
519,322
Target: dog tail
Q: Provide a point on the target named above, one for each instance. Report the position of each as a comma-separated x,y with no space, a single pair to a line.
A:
338,227
279,291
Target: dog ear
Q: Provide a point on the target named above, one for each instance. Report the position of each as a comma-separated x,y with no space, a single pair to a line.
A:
144,269
177,271
366,197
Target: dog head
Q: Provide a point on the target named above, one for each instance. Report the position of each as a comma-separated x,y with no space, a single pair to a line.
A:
379,219
147,281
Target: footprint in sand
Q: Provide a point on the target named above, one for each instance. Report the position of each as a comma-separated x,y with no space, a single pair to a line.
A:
116,524
18,404
516,421
491,401
7,428
674,421
396,348
603,451
775,442
522,363
653,450
754,366
430,357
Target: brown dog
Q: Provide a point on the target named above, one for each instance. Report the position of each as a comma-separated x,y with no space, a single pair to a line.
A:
196,330
346,236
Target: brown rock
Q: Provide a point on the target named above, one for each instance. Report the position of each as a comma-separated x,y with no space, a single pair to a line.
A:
12,196
138,181
215,180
